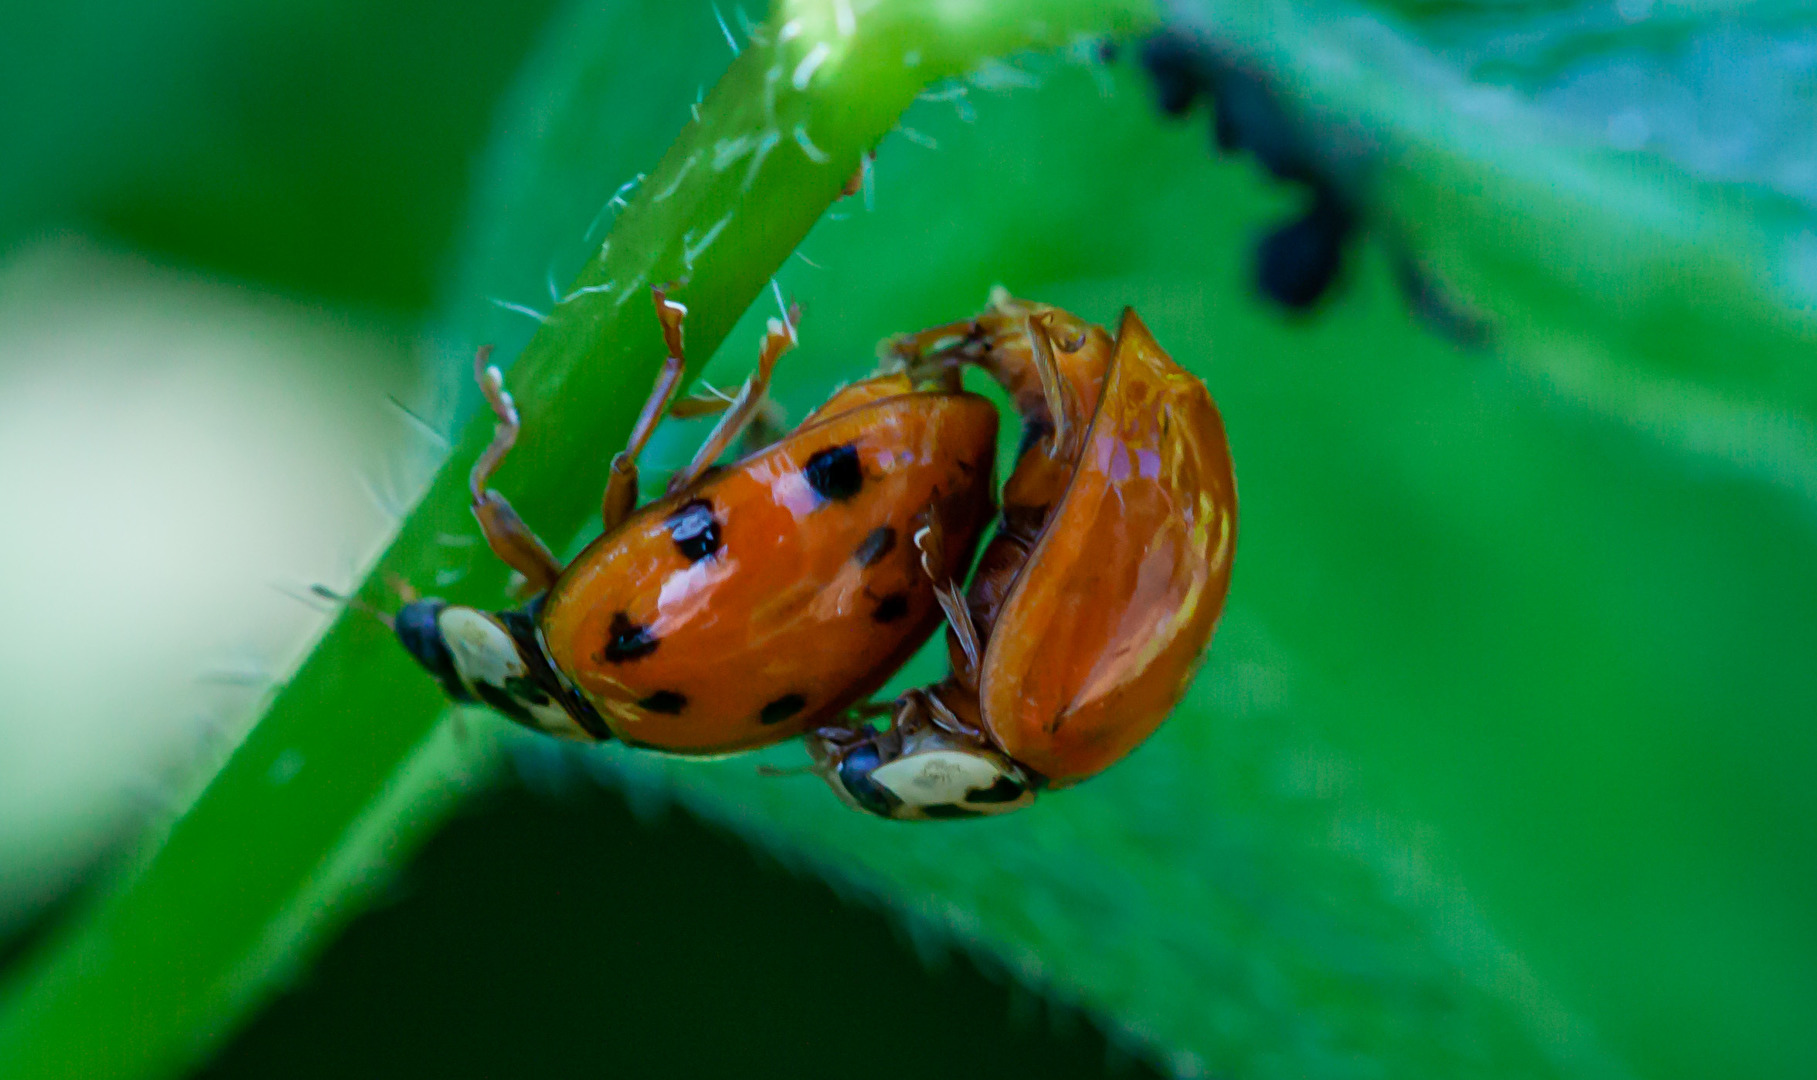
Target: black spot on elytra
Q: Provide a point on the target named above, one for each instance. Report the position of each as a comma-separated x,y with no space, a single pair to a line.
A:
890,608
629,641
695,530
667,702
879,543
782,708
1006,789
835,474
947,811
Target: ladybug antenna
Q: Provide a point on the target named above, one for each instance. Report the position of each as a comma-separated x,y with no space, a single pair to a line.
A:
405,593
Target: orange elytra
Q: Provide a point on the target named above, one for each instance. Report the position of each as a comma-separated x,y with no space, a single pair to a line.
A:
750,603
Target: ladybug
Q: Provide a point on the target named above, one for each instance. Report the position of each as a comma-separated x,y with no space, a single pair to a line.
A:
752,601
1094,601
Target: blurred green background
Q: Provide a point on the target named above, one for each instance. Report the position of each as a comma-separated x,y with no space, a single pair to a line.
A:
227,233
1500,765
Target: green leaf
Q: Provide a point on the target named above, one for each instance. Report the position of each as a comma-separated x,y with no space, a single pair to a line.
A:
1498,764
347,766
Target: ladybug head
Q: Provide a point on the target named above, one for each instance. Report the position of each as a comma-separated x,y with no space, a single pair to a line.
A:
914,772
496,658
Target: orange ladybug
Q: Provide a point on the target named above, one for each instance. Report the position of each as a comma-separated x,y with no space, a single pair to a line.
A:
750,603
1096,597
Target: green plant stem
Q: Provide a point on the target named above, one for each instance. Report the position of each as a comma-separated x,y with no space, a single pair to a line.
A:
339,774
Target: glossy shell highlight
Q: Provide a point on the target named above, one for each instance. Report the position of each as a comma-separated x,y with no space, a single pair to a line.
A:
780,590
1105,626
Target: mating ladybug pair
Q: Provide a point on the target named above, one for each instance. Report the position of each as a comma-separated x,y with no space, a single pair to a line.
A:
771,597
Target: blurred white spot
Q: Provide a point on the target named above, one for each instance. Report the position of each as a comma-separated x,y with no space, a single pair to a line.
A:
1634,10
172,449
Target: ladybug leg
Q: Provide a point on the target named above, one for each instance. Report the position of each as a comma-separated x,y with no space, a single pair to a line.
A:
941,715
747,406
765,428
934,342
930,540
506,534
1069,426
710,403
621,484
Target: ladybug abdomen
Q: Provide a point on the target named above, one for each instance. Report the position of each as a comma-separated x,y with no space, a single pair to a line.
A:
1106,623
781,590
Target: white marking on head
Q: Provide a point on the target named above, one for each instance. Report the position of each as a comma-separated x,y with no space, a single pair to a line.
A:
482,651
937,777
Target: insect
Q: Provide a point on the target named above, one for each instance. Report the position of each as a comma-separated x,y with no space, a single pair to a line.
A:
749,603
1093,603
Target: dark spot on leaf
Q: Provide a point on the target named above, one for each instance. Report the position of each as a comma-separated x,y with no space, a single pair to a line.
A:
835,473
782,708
695,530
1172,65
1296,264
